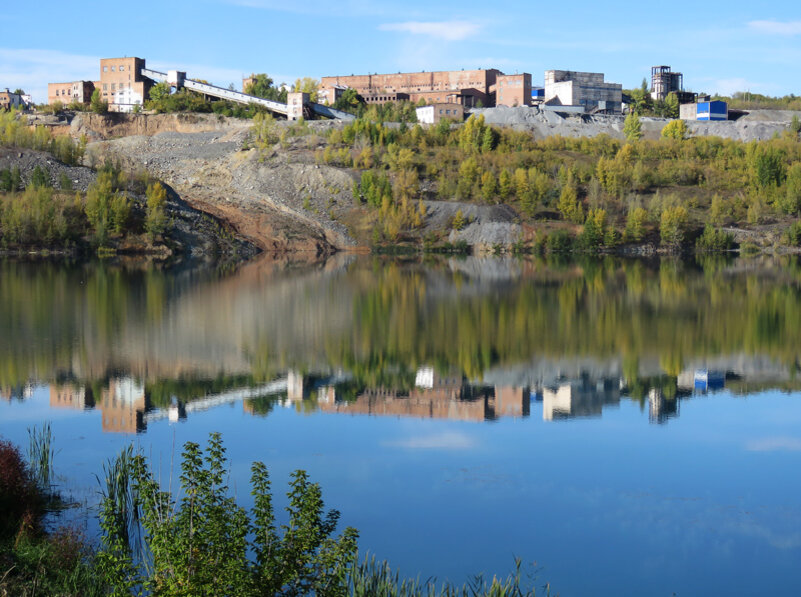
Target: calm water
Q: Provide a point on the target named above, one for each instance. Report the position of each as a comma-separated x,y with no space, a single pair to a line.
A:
632,427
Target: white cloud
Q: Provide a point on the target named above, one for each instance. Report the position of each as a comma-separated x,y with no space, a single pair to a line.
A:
775,444
439,441
776,27
33,69
444,30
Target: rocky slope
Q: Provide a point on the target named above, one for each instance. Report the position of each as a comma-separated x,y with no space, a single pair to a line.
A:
278,200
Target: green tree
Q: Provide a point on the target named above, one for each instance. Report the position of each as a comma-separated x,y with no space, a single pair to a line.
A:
307,85
262,86
489,187
97,105
635,224
672,226
569,205
160,91
156,210
672,107
795,124
675,129
632,127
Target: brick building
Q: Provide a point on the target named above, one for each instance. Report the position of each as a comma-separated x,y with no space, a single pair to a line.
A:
466,87
9,99
66,93
122,84
513,90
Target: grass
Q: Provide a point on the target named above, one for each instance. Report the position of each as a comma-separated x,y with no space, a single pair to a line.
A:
41,456
377,578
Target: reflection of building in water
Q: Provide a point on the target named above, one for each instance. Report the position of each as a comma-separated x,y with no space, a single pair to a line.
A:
123,406
303,387
579,398
438,397
69,396
17,392
703,380
660,409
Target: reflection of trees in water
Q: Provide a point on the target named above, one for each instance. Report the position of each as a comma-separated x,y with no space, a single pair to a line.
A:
382,321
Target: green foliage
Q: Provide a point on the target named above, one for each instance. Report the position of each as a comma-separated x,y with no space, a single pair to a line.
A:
714,239
262,86
307,85
96,104
459,220
793,234
208,545
672,226
40,177
594,235
106,211
632,127
160,91
789,201
767,165
635,224
795,124
569,205
156,212
559,241
14,133
675,129
38,217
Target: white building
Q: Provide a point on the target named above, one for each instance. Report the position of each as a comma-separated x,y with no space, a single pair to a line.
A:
588,90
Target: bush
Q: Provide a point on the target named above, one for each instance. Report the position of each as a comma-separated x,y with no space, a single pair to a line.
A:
675,129
713,239
208,545
559,242
20,503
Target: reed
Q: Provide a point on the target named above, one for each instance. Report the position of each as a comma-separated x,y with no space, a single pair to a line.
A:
41,456
117,487
377,578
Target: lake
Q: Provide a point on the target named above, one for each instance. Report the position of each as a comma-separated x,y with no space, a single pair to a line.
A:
625,427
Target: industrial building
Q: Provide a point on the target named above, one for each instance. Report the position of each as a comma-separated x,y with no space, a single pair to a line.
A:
67,93
433,113
665,81
588,90
470,88
121,84
705,110
9,99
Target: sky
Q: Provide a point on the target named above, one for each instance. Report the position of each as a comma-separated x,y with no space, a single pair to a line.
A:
720,47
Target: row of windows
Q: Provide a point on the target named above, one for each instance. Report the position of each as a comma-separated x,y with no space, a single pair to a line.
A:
113,68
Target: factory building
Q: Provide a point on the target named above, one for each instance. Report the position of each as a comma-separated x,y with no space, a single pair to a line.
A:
121,84
588,90
513,90
664,81
467,87
67,93
9,99
433,113
705,110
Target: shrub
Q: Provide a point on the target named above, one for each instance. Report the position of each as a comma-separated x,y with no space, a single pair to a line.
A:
672,226
713,239
208,545
675,129
20,503
559,242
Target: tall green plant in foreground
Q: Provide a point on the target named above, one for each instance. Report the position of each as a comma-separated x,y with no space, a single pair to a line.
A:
202,543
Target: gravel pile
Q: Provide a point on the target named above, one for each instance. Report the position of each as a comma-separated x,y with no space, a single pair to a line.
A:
757,125
26,160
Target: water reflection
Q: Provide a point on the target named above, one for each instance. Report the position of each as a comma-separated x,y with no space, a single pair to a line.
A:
472,339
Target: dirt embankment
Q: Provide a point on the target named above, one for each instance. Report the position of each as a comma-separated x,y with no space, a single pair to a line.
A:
277,199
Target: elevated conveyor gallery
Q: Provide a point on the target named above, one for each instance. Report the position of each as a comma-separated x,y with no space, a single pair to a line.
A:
178,79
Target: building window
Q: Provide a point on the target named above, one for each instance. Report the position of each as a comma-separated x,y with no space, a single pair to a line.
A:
105,86
122,68
112,68
113,86
105,69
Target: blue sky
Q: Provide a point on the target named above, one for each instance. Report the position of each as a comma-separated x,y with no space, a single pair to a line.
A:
720,47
